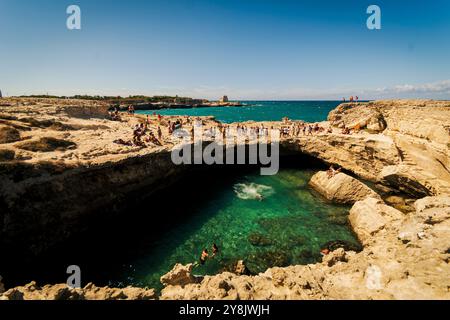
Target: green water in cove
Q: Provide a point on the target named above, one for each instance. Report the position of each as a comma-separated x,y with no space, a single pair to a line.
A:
289,226
310,111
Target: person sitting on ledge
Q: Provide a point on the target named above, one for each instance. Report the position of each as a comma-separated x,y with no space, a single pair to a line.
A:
332,172
122,142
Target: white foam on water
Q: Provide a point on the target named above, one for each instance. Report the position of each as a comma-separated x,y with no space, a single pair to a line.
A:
252,191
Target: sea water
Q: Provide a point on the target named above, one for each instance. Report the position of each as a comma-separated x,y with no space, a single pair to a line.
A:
266,221
310,111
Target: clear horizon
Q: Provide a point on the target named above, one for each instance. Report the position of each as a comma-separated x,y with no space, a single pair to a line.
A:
248,50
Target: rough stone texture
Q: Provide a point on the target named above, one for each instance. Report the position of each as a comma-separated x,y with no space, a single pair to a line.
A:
179,276
8,134
95,177
405,255
387,268
32,291
370,217
351,115
409,153
433,210
341,188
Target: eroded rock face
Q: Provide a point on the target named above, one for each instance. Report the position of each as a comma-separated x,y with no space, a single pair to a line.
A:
351,115
180,275
370,217
402,144
341,188
433,210
8,134
32,291
405,255
387,268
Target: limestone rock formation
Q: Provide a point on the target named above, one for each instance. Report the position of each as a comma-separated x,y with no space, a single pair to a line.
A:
387,268
341,188
351,115
401,144
180,275
433,210
8,134
370,217
32,291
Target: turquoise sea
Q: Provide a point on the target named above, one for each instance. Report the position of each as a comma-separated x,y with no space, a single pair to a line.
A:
310,111
289,226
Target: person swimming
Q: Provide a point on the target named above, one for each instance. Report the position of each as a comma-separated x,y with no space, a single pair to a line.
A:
204,256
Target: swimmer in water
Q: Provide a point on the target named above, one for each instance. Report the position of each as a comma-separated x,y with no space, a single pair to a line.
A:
204,256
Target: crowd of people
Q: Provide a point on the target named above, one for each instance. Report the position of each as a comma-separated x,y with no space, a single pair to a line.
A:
114,115
301,128
158,130
351,99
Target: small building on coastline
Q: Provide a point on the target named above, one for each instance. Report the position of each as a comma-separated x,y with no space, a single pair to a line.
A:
224,99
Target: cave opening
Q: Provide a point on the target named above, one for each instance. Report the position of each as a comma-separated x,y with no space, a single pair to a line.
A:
208,204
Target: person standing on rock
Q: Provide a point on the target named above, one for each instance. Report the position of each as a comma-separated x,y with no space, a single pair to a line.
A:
159,133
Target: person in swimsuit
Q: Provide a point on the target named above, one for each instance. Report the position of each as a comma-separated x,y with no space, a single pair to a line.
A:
204,256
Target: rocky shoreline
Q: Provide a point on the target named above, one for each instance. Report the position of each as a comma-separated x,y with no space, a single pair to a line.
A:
401,148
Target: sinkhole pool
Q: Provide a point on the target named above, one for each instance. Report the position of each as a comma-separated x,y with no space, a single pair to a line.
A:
266,221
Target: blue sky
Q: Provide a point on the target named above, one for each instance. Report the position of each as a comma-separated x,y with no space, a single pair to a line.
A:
247,49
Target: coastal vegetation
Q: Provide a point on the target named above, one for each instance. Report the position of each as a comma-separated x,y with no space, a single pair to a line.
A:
132,99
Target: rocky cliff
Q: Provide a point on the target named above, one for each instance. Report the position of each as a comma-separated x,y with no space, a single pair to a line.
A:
404,257
402,144
59,165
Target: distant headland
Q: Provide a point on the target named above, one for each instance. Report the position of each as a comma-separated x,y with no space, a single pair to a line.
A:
141,102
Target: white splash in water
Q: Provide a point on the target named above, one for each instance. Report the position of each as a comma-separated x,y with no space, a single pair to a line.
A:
252,191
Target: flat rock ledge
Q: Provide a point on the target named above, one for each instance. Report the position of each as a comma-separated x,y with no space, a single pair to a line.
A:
341,188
